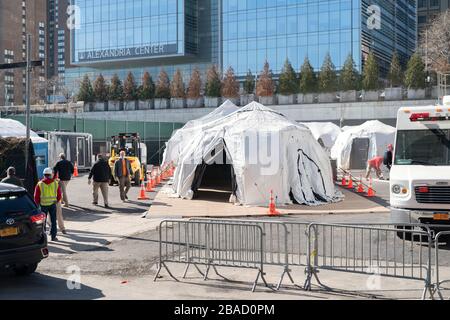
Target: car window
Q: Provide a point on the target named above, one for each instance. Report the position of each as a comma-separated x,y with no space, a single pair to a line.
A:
16,202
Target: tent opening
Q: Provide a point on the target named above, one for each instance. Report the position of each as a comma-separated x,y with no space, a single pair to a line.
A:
214,181
359,154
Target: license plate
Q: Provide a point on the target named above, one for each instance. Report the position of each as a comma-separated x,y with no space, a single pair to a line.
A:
441,216
9,232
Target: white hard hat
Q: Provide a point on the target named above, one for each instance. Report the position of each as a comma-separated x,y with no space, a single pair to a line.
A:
48,171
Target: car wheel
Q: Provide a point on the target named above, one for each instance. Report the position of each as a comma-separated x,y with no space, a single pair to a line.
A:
26,270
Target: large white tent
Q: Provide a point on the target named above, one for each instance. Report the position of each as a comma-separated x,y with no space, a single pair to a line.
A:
327,132
266,152
180,138
13,128
378,134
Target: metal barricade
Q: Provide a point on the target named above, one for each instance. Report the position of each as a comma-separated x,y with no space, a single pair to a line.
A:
275,243
212,244
369,249
438,283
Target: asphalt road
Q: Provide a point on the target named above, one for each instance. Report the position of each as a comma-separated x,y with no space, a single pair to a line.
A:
135,257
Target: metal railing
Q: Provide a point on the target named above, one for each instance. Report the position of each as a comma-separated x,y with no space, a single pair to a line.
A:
212,244
439,283
371,250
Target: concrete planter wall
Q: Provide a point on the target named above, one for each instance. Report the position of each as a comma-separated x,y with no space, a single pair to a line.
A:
416,94
146,105
162,103
212,102
177,103
393,94
236,101
130,105
195,103
267,101
99,106
306,98
289,99
370,95
349,96
88,107
247,98
326,97
115,106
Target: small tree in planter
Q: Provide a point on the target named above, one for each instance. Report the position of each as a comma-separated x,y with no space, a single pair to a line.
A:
146,92
349,81
162,92
395,78
115,95
288,84
194,98
415,77
265,86
249,89
230,87
212,88
308,83
327,80
100,93
177,91
86,93
130,92
370,81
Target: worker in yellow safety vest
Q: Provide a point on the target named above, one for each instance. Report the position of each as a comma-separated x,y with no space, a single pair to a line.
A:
46,195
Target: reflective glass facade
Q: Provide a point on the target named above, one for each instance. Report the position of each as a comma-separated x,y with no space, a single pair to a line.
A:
117,36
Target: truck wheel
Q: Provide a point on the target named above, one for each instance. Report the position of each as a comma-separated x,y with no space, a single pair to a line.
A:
408,236
25,270
137,178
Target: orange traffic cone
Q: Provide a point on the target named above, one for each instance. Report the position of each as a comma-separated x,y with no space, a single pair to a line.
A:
344,180
149,185
272,208
370,192
75,170
350,183
360,186
142,195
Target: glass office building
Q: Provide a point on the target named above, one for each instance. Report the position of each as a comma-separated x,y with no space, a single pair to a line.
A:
118,36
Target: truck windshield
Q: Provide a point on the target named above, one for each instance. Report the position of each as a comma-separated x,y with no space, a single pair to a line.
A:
423,147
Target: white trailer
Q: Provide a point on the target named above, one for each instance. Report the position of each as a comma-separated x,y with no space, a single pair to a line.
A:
76,146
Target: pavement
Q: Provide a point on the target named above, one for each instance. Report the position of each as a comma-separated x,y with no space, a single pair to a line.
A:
89,226
114,254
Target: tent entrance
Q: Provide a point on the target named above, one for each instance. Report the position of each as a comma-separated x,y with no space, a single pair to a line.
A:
215,181
359,154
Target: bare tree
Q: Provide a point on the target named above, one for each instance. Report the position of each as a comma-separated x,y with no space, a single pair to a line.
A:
435,43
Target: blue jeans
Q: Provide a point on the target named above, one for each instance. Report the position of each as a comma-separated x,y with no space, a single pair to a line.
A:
51,210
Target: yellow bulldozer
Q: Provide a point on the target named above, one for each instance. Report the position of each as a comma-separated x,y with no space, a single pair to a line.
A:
135,152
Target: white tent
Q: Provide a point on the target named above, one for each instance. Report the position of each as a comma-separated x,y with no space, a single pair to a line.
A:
328,132
180,138
13,128
378,133
267,152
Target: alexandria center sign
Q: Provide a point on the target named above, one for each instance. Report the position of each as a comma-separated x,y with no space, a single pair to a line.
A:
136,52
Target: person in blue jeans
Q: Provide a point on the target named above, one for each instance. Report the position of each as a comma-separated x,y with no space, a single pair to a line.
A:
46,195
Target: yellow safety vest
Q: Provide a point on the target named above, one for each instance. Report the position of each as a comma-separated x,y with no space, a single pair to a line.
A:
49,193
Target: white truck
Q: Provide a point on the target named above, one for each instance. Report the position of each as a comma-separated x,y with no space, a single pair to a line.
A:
420,175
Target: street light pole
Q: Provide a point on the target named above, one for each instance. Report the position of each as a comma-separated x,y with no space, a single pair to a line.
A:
27,99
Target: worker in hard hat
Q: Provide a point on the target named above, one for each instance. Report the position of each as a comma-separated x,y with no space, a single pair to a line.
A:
375,164
46,195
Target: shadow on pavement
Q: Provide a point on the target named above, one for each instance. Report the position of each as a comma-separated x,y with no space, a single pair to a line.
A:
37,286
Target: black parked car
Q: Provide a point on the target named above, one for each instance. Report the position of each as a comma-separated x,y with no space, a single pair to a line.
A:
23,241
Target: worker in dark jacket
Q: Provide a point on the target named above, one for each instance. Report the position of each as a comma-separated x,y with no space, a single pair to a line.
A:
388,157
64,170
101,172
11,177
123,173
